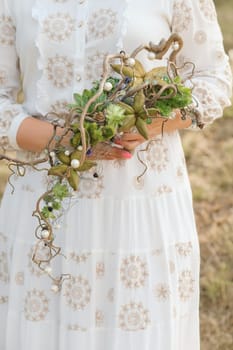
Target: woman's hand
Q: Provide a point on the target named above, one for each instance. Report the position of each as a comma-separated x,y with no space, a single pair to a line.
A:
106,151
130,140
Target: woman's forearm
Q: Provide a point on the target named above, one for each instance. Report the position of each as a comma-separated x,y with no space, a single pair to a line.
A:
34,134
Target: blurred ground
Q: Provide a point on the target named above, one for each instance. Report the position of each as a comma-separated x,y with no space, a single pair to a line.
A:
209,155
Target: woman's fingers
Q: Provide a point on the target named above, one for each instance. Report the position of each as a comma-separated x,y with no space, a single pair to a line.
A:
104,151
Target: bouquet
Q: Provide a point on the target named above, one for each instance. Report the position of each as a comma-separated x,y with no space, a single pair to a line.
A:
126,97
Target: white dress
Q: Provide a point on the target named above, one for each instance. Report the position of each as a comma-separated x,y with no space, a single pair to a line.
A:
131,247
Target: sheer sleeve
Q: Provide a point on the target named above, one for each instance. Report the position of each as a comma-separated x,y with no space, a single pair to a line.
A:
196,22
11,112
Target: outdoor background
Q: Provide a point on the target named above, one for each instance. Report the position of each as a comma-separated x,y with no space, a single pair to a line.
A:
209,155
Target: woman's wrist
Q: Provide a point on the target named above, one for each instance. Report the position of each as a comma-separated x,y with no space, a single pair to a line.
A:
34,135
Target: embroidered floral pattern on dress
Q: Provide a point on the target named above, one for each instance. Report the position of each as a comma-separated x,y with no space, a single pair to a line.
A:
77,292
102,23
7,31
60,71
133,317
208,9
6,118
99,318
184,248
186,285
119,163
100,269
200,37
79,258
59,26
162,292
157,156
60,107
205,96
3,267
94,66
163,189
182,17
133,271
36,305
19,278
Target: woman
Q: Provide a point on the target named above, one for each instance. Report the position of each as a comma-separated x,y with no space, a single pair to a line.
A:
131,247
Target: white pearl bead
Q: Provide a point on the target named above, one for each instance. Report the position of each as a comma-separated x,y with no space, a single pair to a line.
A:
176,46
108,86
67,153
151,55
45,234
130,61
75,163
55,288
52,154
50,204
48,269
80,148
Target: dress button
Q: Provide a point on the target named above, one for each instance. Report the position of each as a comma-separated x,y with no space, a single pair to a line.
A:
78,78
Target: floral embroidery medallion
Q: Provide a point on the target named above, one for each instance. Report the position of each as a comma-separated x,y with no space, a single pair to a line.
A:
186,285
102,23
94,67
7,31
133,317
163,189
162,292
77,292
133,272
157,156
182,17
184,248
59,26
208,9
36,305
60,71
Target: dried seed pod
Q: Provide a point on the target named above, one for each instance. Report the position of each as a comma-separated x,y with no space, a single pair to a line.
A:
128,109
125,70
63,158
73,179
142,128
139,69
58,170
139,101
76,155
87,165
128,123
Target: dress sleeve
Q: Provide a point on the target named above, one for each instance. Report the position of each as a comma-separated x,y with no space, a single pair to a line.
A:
196,22
11,112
